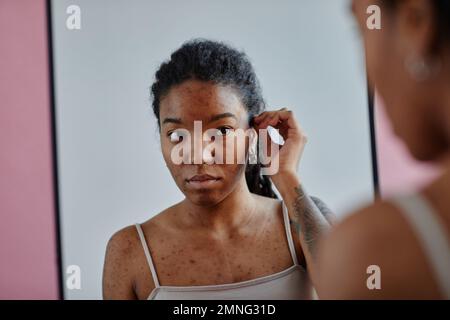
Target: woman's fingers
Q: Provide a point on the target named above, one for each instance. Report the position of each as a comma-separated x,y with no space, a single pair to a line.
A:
260,118
282,119
271,118
264,117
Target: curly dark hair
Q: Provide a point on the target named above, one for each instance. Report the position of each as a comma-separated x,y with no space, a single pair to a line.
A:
216,62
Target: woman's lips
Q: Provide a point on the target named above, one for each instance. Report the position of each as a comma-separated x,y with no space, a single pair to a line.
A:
202,181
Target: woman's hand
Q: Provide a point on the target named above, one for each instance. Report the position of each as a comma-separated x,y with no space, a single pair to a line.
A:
305,215
294,141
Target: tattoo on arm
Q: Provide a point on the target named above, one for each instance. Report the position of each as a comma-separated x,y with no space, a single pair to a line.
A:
311,217
324,209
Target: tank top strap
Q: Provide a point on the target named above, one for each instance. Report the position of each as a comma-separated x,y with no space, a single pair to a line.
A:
147,255
431,233
287,227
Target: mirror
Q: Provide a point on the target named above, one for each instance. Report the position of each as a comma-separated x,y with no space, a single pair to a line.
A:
111,173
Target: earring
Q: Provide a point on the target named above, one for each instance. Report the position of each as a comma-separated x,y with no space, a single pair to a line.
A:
419,68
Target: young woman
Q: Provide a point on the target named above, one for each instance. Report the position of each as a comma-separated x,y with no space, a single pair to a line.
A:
407,238
230,238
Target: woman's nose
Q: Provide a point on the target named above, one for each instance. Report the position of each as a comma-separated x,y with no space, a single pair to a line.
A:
202,150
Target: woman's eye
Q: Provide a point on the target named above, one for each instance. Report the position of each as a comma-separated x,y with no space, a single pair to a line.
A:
223,131
175,136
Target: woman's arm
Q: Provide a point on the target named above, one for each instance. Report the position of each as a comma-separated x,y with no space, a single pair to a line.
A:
306,217
310,220
325,210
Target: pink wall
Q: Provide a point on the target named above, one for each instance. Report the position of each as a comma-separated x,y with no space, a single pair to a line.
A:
28,260
397,170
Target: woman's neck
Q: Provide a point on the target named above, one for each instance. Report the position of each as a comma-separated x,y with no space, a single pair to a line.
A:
237,210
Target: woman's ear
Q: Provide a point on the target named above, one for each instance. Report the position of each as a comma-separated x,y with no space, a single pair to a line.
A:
416,27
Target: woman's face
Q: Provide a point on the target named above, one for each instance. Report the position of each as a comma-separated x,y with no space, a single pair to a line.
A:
411,105
220,109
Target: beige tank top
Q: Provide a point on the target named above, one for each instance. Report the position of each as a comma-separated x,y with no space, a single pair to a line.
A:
291,283
429,229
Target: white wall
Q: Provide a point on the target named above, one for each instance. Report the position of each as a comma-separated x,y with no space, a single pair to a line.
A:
306,54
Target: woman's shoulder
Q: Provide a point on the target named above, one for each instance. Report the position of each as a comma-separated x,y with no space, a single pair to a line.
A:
119,265
126,238
125,257
375,235
382,221
123,243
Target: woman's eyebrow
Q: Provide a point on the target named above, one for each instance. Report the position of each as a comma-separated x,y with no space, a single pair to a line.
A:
213,118
222,115
172,120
